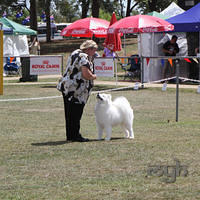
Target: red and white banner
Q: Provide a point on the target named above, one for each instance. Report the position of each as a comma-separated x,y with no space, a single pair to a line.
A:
45,65
104,67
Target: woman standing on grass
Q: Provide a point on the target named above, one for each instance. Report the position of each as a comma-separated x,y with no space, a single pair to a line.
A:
76,85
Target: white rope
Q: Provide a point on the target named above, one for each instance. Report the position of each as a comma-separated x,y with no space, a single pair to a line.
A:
187,79
53,97
162,80
114,89
95,92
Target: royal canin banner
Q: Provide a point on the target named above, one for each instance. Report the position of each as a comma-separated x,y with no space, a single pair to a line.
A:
104,67
45,65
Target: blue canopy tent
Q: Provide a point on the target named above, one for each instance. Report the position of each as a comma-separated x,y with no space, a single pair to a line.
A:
189,21
6,29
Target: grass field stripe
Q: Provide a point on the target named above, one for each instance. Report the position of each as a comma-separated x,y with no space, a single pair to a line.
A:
29,99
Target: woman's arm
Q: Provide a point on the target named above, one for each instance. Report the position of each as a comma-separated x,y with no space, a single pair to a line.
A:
87,74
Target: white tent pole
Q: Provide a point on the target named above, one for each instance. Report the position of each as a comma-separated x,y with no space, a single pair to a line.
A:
152,45
115,65
13,45
152,62
142,64
140,44
199,52
1,59
177,88
124,45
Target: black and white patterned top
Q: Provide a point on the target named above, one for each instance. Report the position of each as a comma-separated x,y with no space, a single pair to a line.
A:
73,85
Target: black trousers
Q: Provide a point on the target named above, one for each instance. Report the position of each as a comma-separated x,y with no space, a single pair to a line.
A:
73,114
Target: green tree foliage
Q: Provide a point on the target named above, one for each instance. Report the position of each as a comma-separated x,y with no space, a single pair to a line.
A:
104,15
71,10
68,9
103,8
19,20
110,6
8,6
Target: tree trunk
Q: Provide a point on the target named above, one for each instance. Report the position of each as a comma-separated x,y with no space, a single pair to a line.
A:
128,9
85,8
152,5
48,22
95,8
121,6
33,14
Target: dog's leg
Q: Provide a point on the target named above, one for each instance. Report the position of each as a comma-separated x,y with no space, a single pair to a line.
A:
100,131
125,130
126,133
108,130
131,133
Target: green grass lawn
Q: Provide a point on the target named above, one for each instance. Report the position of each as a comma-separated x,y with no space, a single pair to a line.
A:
37,163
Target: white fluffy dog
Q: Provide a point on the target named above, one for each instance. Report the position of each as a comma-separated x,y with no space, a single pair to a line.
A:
110,113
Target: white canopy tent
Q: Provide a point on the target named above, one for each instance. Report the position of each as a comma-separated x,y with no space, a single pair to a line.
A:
172,10
15,45
151,45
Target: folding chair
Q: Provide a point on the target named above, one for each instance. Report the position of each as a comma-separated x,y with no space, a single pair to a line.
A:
132,68
12,66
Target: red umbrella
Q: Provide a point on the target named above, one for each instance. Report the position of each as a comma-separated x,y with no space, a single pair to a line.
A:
87,27
113,41
140,24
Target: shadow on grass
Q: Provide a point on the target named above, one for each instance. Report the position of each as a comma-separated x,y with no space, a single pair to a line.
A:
48,86
55,143
114,138
51,143
102,87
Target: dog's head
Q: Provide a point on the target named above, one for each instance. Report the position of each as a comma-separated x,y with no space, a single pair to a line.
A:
104,98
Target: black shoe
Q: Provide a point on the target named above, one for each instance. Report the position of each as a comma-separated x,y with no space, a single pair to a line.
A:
80,139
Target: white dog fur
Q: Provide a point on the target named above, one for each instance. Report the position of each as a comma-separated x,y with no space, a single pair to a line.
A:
110,113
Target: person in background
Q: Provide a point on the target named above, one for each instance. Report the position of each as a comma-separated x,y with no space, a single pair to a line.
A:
34,46
196,50
170,48
194,67
53,29
76,86
108,53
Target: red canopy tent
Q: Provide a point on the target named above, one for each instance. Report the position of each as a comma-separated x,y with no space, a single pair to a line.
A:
140,24
87,27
